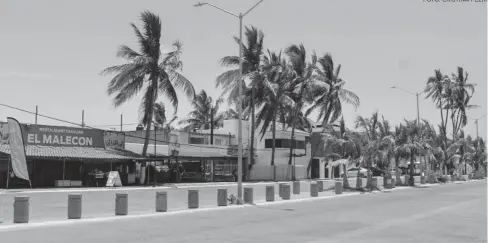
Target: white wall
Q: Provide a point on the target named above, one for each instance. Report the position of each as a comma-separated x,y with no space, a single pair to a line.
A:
281,154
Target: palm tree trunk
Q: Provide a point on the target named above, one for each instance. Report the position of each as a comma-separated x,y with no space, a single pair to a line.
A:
273,148
211,130
292,141
411,180
252,129
154,83
345,181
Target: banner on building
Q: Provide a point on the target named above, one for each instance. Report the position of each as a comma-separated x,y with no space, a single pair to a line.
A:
17,149
58,136
114,140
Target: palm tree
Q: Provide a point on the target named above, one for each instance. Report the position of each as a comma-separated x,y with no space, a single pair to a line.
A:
274,95
302,80
147,70
462,93
480,153
160,120
344,147
251,65
330,92
205,114
437,88
412,146
371,144
460,150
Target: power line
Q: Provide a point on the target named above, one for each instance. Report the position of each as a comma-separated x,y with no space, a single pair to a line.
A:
126,135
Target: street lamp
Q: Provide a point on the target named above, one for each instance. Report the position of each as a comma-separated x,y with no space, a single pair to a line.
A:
240,16
476,121
415,94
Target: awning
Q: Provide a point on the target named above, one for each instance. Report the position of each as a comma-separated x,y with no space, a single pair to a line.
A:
35,151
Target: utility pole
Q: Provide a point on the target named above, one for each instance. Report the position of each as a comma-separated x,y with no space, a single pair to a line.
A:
121,116
37,112
82,118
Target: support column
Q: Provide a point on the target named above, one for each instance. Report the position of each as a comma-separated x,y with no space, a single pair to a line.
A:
321,169
330,169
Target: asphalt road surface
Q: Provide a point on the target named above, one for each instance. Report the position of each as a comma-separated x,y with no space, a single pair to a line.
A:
444,213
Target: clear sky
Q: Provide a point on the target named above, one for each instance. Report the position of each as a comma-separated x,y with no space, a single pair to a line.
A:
51,51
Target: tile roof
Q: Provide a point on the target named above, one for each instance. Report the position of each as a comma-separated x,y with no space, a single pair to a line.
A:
71,152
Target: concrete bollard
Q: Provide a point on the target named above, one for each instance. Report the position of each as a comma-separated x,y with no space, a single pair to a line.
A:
161,202
296,187
338,187
270,193
374,182
221,197
193,199
320,185
121,204
314,189
286,192
74,206
21,209
248,195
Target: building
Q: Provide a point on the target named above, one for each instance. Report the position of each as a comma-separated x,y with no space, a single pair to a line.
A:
68,156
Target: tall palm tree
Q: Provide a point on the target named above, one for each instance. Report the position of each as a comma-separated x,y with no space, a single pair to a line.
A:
330,92
303,81
275,94
462,94
205,114
252,53
437,88
148,70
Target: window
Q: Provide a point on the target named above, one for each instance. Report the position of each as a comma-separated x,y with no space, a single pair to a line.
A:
218,141
197,140
285,143
300,144
268,143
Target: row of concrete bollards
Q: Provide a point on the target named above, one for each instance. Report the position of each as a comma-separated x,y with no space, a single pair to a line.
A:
22,204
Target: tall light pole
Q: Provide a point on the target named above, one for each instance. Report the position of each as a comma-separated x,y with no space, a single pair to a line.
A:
476,121
240,16
415,94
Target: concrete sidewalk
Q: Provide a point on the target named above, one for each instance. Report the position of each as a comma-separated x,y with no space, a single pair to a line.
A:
49,206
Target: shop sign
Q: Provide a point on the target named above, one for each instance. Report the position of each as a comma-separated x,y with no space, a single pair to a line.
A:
57,136
115,140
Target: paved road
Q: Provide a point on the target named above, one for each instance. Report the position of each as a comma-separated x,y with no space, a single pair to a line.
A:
49,206
446,213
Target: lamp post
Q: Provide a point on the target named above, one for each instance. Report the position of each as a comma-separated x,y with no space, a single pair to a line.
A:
415,94
476,121
240,16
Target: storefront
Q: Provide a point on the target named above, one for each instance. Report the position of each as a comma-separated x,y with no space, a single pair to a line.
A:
69,157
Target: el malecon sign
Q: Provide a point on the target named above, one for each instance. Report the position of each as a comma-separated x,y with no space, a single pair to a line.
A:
62,136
